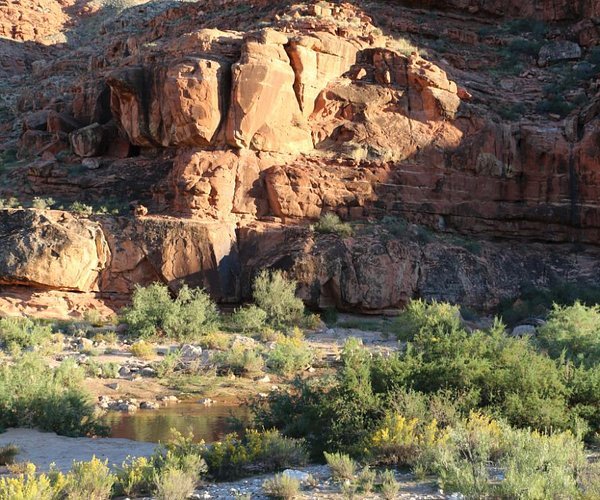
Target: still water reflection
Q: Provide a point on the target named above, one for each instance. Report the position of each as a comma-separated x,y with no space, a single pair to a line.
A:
207,423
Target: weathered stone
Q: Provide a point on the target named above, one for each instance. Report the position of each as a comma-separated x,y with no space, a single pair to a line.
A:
89,141
558,51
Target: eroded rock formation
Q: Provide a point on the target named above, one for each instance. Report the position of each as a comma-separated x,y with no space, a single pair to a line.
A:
238,124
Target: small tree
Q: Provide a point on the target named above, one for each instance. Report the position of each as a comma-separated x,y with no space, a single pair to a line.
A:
276,295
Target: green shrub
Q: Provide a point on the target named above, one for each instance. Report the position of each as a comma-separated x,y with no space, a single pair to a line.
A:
282,486
42,203
34,395
168,364
390,487
240,360
249,318
174,484
366,479
439,318
276,295
188,317
289,356
142,349
265,451
8,453
23,332
574,330
331,223
81,209
135,477
91,480
341,465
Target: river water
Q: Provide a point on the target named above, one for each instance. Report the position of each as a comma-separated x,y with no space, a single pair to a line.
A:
208,423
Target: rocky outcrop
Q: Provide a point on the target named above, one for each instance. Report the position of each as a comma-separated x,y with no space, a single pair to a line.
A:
51,250
548,10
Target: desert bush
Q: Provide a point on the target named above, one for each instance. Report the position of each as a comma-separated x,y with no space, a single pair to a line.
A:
589,481
168,364
174,484
27,486
81,209
572,330
153,311
282,486
215,340
89,480
265,451
135,477
390,487
276,295
240,360
419,315
42,203
366,479
142,349
34,395
8,453
289,356
249,318
331,223
23,332
341,465
403,441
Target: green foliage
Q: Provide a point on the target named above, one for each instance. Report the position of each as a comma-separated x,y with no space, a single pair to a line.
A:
436,318
265,451
174,484
8,453
42,203
188,317
81,209
135,477
240,360
330,316
288,356
390,487
276,295
23,332
249,318
282,486
9,203
532,464
525,46
89,480
34,395
366,479
573,330
332,224
168,364
341,465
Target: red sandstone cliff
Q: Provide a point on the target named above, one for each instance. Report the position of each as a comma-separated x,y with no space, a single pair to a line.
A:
239,123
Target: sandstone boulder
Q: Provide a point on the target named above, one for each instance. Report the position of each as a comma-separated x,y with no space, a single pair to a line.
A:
51,249
89,141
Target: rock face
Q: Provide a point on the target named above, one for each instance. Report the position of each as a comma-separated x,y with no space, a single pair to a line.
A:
231,126
50,250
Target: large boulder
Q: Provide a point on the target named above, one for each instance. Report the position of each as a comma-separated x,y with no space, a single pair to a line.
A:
51,249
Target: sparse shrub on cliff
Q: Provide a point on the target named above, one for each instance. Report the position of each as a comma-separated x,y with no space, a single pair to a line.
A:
572,330
42,203
9,203
23,332
275,294
81,209
331,223
153,312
